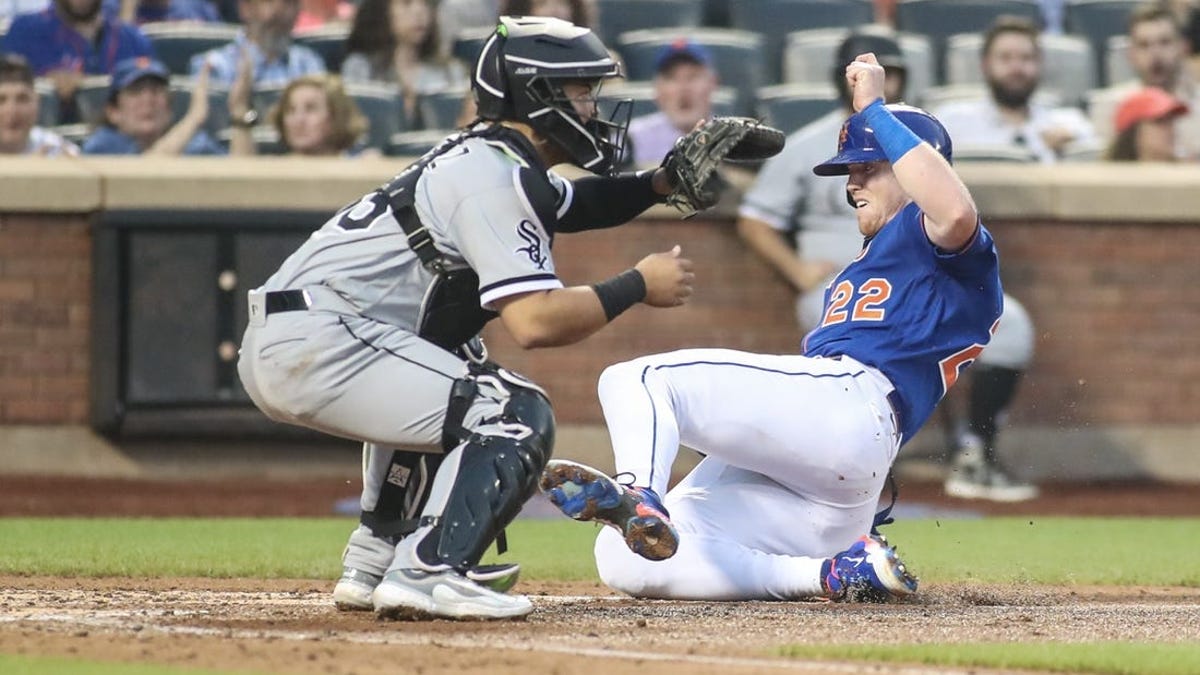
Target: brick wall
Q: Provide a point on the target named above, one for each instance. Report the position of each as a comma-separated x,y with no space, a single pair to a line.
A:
1117,309
45,278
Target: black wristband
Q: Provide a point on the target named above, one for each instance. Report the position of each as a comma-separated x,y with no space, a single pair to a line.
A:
621,292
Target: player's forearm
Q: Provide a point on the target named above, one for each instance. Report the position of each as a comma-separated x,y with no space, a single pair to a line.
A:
176,139
553,318
608,201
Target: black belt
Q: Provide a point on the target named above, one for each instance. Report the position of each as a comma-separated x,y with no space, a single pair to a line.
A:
285,301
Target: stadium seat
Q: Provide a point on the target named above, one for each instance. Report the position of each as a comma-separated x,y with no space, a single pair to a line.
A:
774,19
621,16
383,108
1067,63
91,98
414,143
1116,60
264,97
809,54
939,19
47,102
180,93
934,97
641,93
468,43
440,110
266,140
737,57
791,106
1102,108
76,133
1097,21
991,153
176,42
329,41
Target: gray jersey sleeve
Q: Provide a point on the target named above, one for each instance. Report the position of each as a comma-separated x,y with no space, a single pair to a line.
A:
504,241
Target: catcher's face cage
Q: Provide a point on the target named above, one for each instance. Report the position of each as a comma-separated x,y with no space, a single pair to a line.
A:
519,77
598,143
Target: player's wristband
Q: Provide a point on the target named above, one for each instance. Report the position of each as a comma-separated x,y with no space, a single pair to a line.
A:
621,292
895,138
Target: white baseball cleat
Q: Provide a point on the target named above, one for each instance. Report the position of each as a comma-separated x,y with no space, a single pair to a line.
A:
417,594
353,590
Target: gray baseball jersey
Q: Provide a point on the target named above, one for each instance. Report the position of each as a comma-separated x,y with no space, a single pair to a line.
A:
352,365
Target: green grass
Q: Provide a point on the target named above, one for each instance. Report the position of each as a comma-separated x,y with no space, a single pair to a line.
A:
49,665
1058,551
1108,658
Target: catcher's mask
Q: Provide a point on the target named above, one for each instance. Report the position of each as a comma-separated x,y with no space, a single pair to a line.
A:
520,75
857,143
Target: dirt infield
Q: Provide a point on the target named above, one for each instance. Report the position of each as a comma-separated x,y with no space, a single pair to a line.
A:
290,626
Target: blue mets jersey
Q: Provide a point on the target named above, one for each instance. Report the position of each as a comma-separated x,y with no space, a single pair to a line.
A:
918,315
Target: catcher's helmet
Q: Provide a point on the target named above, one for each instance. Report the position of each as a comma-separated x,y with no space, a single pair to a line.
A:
519,77
857,143
876,39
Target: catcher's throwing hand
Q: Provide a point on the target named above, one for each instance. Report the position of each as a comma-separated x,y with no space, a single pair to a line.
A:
865,77
690,167
668,278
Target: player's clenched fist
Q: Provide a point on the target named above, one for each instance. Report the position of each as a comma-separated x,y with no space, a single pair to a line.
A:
668,278
865,78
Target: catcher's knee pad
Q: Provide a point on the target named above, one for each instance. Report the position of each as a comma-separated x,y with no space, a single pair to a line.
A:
483,482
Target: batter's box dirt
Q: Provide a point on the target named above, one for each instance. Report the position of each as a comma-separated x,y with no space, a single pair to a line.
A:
282,626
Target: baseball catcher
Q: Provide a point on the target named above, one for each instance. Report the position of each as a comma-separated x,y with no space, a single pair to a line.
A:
370,330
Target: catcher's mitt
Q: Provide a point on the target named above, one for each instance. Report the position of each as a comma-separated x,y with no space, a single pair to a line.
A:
691,165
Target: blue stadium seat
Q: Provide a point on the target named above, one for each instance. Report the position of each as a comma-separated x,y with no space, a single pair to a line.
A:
737,57
329,41
440,110
1097,21
91,98
468,44
791,106
621,16
414,143
641,94
176,42
774,19
939,19
47,102
384,109
808,58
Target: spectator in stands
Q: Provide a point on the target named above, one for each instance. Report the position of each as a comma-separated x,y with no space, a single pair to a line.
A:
138,115
317,13
1011,62
1145,127
578,12
150,11
684,84
398,41
788,201
70,39
1158,52
316,118
266,38
19,134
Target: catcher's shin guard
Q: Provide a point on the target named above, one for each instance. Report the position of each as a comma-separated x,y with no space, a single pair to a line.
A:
483,483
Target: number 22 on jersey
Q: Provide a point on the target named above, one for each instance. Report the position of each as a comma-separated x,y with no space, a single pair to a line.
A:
868,300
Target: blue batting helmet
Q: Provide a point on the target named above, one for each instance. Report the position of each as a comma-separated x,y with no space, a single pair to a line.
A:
857,143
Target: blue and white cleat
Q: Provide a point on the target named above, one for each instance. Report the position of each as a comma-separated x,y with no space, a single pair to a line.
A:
584,493
868,571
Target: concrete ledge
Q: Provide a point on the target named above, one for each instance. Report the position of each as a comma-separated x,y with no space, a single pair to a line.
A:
48,185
